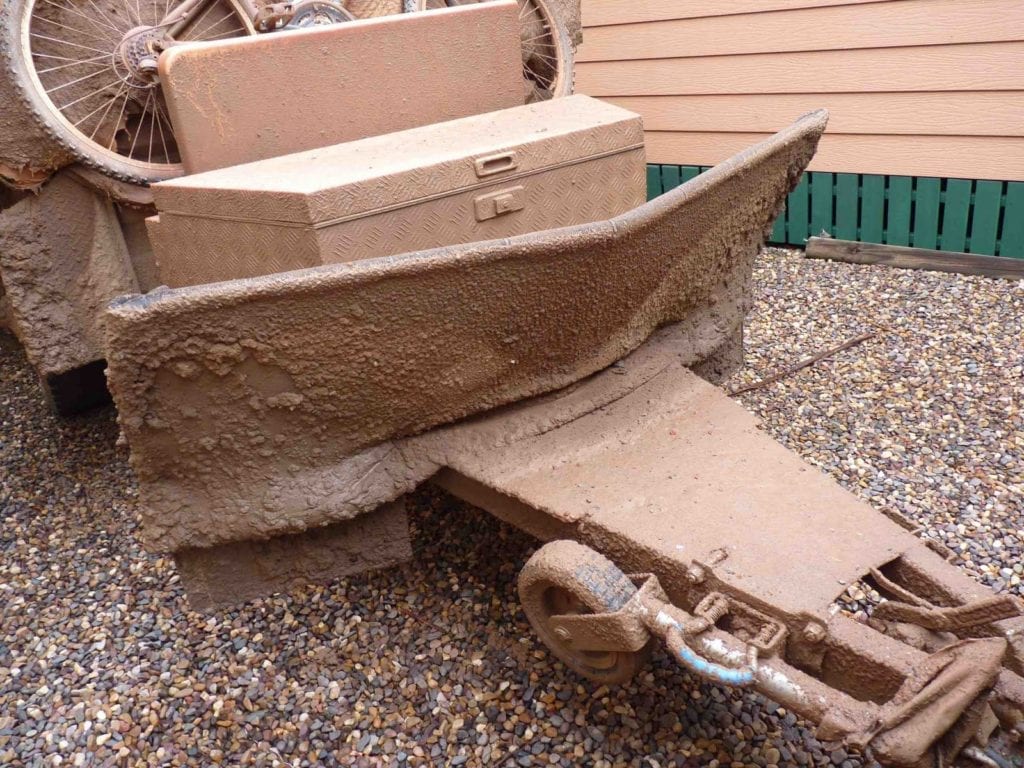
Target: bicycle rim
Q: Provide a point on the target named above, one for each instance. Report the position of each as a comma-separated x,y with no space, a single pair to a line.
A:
543,46
75,56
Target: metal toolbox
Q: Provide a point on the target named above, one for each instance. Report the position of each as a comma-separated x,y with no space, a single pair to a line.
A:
541,166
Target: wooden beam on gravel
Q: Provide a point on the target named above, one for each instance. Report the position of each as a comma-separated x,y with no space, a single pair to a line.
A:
914,258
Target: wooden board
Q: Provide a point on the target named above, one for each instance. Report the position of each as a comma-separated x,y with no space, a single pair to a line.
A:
974,66
926,214
600,12
900,196
976,113
883,25
950,156
985,223
923,88
1011,242
915,258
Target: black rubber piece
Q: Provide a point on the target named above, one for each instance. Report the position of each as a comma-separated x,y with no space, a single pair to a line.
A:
78,390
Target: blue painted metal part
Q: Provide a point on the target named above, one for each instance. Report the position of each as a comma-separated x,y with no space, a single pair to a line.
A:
715,672
676,641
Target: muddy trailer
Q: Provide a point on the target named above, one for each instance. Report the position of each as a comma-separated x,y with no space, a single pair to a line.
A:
552,380
86,128
545,378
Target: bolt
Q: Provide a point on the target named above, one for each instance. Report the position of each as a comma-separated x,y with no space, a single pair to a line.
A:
814,633
695,574
563,634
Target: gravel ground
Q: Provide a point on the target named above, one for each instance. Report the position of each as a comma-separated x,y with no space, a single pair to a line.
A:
102,663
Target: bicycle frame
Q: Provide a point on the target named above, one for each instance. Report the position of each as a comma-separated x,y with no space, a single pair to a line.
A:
264,18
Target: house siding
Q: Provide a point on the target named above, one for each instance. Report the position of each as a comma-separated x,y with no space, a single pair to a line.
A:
930,91
915,87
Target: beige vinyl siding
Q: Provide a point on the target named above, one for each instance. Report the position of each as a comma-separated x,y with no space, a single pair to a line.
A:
606,12
915,87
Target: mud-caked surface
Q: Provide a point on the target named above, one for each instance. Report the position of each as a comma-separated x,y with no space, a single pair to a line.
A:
63,257
219,578
565,161
101,661
265,406
27,154
434,663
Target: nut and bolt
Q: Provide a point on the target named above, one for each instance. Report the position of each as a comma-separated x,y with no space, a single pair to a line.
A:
814,633
695,574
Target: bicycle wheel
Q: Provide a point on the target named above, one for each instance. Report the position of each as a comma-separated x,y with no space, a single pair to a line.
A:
85,70
547,50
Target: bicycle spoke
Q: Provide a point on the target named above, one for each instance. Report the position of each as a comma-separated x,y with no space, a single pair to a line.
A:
65,42
76,80
106,112
105,21
545,35
83,119
117,123
550,59
528,9
200,19
160,128
76,63
88,95
128,12
152,124
131,149
208,27
530,70
222,35
115,22
65,58
71,9
542,80
90,35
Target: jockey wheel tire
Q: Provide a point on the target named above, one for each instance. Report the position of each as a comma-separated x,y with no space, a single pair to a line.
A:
565,577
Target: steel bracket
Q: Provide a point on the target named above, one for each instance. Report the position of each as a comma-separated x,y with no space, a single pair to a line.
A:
623,630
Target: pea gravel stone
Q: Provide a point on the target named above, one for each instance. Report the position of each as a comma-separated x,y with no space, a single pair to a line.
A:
102,663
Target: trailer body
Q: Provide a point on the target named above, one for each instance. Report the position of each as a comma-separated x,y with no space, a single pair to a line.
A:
545,378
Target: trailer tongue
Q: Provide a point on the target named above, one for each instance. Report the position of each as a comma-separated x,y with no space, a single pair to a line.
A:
741,551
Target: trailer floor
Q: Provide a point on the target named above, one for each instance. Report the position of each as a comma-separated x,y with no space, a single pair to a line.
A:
99,656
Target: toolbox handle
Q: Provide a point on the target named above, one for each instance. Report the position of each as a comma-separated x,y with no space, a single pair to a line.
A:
492,164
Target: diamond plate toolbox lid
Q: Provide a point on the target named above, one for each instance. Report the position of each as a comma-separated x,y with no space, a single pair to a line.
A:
324,187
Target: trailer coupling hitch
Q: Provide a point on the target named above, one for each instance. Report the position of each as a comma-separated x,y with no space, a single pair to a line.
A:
649,612
945,708
675,638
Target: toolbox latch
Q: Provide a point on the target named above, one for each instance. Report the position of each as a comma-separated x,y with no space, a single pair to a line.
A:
499,203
